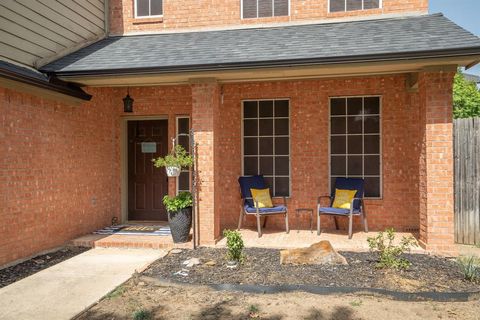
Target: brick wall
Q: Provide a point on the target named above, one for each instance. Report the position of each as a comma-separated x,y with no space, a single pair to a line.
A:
195,14
436,165
309,146
60,164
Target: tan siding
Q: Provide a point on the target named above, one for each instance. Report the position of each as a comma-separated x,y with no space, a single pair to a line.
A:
34,31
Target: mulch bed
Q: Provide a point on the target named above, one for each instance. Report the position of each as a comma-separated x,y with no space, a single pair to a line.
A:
22,270
262,267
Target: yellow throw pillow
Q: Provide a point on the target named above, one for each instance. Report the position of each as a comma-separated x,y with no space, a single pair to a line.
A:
343,198
263,198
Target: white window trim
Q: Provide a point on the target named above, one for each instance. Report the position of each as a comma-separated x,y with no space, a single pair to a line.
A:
289,176
380,6
257,17
146,17
177,184
363,154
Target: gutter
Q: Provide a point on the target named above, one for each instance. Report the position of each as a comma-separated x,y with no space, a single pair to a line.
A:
385,57
51,83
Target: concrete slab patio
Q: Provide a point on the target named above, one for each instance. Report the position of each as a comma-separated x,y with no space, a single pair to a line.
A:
66,289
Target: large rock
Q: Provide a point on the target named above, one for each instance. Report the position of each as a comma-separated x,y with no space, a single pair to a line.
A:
318,253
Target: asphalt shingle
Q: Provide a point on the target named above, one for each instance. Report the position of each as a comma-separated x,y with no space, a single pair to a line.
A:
327,42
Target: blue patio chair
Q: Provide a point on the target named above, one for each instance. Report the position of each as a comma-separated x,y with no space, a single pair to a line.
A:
249,208
357,207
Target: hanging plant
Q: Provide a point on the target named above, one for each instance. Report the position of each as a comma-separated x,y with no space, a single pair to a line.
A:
173,162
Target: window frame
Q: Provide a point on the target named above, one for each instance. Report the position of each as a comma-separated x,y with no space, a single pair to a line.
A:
380,133
380,6
258,146
177,134
273,11
136,16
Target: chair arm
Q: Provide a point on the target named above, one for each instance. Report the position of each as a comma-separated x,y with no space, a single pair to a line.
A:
353,201
323,197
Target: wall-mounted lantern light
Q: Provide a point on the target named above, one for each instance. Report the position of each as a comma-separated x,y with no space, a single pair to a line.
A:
127,103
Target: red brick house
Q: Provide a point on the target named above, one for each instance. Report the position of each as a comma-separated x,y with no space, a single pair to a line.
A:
300,91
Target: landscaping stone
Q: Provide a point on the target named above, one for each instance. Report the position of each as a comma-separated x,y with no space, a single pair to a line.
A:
175,251
318,253
210,263
191,262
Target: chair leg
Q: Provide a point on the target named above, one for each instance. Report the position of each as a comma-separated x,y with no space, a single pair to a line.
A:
318,224
287,228
265,222
336,222
365,223
240,220
350,226
259,226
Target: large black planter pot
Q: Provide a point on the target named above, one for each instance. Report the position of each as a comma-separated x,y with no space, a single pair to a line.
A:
180,223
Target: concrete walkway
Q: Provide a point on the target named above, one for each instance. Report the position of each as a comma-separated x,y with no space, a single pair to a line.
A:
66,289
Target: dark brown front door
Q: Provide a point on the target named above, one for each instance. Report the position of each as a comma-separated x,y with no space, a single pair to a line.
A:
146,184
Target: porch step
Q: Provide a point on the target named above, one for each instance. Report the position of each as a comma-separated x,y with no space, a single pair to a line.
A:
128,241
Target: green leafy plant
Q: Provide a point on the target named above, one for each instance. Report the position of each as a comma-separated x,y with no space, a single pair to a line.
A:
181,201
470,267
142,314
390,255
117,292
177,158
253,311
234,245
466,97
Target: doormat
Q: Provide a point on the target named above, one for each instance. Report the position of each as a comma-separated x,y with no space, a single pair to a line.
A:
136,230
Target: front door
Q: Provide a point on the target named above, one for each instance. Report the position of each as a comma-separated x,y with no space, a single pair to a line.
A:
147,139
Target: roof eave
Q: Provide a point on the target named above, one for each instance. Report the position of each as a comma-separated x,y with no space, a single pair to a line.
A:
384,57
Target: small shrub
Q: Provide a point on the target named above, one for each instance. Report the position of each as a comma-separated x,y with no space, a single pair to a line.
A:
356,303
142,314
117,292
390,254
234,245
470,267
253,312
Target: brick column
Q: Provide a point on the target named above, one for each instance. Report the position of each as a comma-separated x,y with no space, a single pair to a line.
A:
436,162
205,114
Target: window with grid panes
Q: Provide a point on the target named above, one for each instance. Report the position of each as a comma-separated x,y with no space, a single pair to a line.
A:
266,143
183,139
351,5
264,8
355,141
148,8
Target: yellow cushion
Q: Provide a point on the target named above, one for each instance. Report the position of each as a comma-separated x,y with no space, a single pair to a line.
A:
263,198
343,198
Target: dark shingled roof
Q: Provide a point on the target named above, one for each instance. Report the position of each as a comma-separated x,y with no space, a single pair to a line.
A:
368,40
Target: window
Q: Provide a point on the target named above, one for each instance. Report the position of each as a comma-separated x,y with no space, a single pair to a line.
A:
355,141
183,139
264,8
148,8
351,5
266,143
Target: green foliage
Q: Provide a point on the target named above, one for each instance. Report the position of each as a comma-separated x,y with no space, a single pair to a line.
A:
356,303
181,201
178,158
142,314
466,98
253,311
234,244
470,267
116,293
390,254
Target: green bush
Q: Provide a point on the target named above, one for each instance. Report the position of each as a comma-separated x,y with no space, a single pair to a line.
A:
390,254
234,245
142,314
470,267
178,158
181,201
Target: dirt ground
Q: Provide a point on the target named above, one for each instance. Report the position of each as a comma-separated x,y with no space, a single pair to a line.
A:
185,302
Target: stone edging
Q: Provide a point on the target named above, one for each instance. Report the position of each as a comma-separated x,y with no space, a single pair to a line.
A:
271,289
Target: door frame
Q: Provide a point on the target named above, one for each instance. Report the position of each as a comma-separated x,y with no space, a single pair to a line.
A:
124,159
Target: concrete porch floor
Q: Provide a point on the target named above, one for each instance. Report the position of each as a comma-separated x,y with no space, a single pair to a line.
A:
297,239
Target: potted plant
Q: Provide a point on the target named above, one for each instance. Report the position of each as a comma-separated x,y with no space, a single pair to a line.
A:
174,161
179,212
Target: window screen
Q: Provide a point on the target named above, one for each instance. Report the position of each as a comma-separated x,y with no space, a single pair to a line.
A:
264,8
148,8
351,5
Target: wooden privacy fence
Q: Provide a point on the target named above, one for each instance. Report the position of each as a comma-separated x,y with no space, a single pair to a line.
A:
467,180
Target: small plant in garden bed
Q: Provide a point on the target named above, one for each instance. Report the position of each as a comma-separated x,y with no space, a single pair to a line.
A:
142,314
470,267
234,245
390,254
